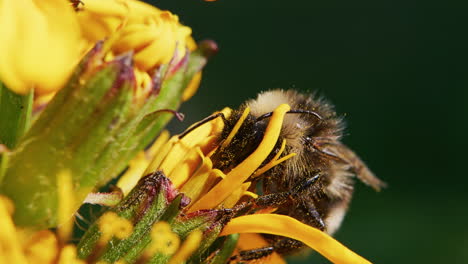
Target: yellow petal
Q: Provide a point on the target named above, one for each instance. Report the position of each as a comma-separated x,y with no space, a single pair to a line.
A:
185,169
100,18
40,44
180,148
275,161
66,204
135,37
195,186
192,87
235,196
286,226
159,158
152,34
160,51
236,127
242,172
139,164
158,143
134,172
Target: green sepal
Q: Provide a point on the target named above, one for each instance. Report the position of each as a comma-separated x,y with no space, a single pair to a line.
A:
30,179
143,206
60,99
170,213
15,115
92,128
221,250
202,220
209,236
149,121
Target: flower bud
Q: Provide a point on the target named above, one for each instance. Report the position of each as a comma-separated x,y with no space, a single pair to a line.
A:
93,128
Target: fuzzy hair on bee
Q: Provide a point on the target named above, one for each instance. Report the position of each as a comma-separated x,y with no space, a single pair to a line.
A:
316,141
313,131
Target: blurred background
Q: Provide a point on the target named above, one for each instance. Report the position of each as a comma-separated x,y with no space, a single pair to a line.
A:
396,70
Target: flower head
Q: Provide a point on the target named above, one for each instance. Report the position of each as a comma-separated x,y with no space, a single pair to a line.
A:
41,44
188,163
141,64
43,41
120,69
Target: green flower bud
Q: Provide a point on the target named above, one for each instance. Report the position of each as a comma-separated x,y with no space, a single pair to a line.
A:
92,128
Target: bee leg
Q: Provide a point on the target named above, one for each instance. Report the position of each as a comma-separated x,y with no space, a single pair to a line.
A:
282,246
277,199
313,216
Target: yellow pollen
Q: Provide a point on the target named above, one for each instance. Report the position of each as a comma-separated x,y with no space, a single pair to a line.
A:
188,247
110,224
10,248
236,128
123,229
68,256
42,247
163,240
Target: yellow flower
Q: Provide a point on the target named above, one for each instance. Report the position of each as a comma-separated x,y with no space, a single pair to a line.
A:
42,41
154,35
140,64
40,44
187,162
41,247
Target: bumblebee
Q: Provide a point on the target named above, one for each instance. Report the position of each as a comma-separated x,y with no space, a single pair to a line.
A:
316,185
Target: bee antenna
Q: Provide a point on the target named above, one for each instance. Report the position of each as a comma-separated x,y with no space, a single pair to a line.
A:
200,123
267,115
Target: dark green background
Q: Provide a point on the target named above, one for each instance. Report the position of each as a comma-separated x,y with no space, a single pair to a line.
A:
397,70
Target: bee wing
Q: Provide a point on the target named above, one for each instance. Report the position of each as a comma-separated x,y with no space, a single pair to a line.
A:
341,152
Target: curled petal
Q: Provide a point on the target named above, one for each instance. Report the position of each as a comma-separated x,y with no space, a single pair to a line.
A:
239,174
286,226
